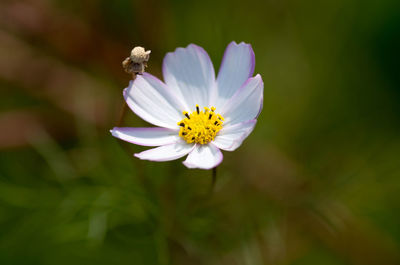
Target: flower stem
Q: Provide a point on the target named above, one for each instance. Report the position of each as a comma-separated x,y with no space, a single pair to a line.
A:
213,179
122,114
124,107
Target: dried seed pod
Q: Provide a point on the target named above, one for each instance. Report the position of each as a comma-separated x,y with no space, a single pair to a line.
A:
137,61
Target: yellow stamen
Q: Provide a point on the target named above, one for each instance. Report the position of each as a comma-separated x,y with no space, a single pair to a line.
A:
200,126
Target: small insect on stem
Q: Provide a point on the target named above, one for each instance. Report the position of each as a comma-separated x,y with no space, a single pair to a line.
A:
137,61
135,64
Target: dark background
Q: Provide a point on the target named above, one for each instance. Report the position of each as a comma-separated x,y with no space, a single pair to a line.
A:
317,182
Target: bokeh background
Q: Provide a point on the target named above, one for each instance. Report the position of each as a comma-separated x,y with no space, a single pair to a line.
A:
317,182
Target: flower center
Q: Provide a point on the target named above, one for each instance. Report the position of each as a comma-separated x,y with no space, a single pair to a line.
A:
200,126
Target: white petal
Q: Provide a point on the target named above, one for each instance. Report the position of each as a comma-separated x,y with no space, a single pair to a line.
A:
153,101
146,136
204,157
190,73
237,66
246,104
166,152
231,137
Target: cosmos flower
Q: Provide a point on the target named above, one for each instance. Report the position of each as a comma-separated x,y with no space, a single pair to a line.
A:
197,114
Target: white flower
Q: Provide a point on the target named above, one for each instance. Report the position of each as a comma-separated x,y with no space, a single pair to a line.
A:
196,113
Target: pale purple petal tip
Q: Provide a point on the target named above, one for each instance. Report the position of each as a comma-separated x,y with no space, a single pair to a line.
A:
237,143
146,136
231,46
253,59
194,158
166,152
191,45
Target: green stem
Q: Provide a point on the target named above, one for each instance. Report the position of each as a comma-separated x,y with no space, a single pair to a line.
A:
124,107
214,179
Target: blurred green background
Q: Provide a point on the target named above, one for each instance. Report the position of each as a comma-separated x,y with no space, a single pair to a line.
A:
317,182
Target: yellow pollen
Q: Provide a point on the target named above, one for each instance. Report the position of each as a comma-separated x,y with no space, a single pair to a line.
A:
201,126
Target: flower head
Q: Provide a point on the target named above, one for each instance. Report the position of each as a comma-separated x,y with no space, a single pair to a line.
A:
196,113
